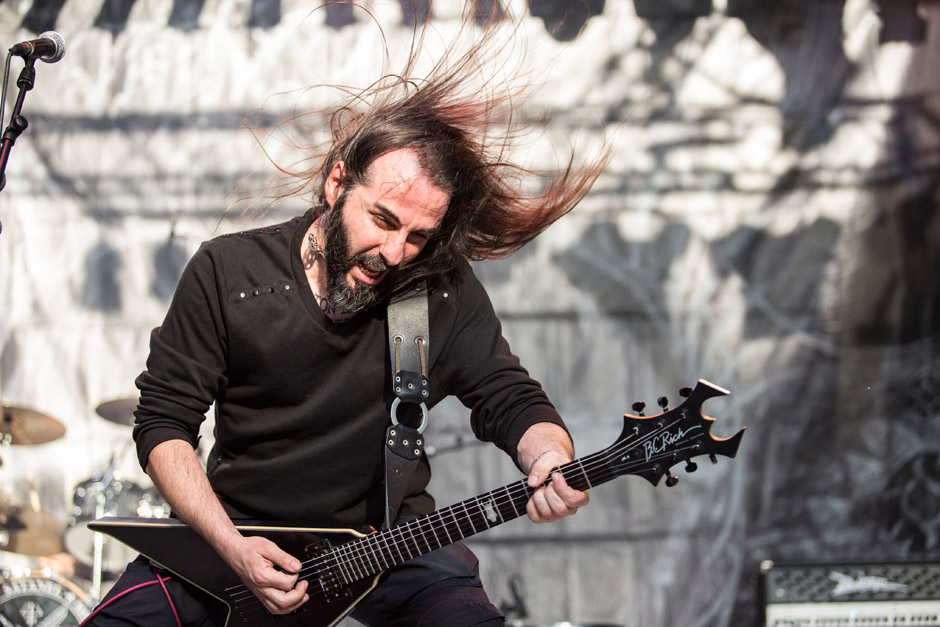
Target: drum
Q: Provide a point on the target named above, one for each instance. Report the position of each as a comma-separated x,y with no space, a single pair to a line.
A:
41,600
93,499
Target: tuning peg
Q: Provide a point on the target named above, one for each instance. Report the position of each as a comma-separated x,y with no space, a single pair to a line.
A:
638,407
690,466
712,457
672,480
663,402
685,392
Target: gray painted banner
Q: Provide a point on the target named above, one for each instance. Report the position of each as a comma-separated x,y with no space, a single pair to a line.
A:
768,222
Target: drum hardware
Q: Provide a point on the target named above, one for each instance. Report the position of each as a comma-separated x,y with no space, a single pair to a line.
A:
107,495
23,427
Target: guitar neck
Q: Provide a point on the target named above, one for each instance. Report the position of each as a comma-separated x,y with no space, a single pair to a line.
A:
378,551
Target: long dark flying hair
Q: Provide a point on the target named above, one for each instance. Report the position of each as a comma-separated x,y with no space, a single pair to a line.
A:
462,124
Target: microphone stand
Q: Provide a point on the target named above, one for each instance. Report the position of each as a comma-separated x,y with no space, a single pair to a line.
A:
18,123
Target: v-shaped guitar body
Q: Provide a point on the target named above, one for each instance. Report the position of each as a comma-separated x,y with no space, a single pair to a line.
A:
180,550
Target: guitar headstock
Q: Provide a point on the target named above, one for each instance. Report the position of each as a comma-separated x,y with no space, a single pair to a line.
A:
651,446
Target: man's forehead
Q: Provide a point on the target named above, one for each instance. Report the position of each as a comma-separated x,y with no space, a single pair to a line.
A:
397,177
394,167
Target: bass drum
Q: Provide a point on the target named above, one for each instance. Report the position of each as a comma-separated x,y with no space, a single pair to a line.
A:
117,498
30,601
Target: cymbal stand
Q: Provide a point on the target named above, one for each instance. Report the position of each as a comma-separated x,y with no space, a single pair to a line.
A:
101,501
98,559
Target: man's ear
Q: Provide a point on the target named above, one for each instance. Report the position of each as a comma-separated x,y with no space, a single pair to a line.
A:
334,182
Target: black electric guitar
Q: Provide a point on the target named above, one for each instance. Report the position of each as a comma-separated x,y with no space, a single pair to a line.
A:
343,565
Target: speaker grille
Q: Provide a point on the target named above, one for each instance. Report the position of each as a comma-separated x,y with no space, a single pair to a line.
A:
821,583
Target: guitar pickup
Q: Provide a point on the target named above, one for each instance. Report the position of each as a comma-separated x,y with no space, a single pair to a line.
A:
330,583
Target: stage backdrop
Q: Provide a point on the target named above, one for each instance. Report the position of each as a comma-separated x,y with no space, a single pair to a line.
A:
768,222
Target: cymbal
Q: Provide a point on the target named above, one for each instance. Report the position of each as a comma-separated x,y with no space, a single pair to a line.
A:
120,410
25,426
28,532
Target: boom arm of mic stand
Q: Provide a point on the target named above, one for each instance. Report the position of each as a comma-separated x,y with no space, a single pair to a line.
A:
18,123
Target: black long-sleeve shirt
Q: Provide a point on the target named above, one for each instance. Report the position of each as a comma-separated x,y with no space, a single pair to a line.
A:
301,402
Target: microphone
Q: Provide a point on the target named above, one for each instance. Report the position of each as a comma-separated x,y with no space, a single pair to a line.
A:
50,47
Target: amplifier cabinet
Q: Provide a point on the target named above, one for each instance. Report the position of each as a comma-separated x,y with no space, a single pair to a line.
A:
884,594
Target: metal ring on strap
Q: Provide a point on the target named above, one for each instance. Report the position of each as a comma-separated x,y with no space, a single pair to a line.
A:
424,414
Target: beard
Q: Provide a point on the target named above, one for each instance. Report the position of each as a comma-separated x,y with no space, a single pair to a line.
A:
339,261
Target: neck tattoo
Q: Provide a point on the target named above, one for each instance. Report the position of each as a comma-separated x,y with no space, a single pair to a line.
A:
313,245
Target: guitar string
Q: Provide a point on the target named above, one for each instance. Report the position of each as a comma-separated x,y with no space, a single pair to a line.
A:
368,558
364,551
254,607
424,526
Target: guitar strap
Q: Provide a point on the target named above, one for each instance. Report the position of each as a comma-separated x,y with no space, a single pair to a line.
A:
408,351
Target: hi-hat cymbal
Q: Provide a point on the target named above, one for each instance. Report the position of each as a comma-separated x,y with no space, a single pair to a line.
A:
28,532
120,410
23,426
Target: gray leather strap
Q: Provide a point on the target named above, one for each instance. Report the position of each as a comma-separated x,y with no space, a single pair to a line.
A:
408,351
408,345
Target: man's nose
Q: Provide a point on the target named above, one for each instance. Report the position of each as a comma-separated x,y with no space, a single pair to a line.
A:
393,249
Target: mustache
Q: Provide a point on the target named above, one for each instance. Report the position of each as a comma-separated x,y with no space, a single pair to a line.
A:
376,262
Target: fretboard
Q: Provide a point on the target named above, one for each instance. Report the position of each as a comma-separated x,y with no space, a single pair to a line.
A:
379,551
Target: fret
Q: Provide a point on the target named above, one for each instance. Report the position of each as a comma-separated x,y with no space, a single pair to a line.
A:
440,517
574,478
377,552
343,563
434,535
512,500
350,562
341,567
469,518
397,545
584,474
365,557
359,558
388,549
507,515
423,537
355,558
523,498
362,558
478,515
393,546
601,473
405,542
481,509
457,528
490,510
410,535
485,513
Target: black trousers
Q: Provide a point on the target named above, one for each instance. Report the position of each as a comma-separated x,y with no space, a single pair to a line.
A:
440,588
